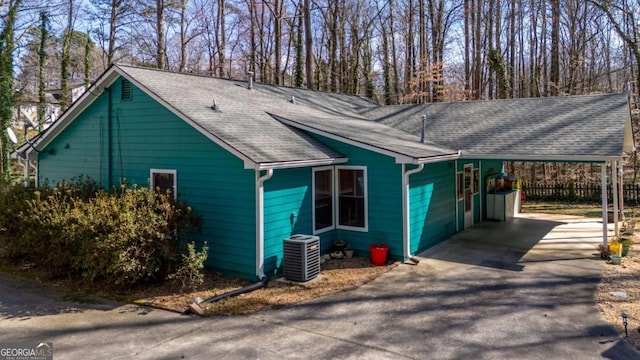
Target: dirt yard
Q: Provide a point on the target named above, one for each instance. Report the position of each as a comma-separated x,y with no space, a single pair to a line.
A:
336,275
619,292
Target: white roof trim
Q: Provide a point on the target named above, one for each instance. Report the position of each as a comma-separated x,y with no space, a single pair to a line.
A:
628,144
103,84
299,163
542,158
186,119
400,158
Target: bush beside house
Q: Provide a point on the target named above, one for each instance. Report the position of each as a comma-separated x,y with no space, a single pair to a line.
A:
121,238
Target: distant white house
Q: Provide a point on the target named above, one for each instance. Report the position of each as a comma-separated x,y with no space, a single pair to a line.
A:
25,112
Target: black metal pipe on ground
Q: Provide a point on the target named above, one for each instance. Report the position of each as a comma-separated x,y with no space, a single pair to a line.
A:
195,308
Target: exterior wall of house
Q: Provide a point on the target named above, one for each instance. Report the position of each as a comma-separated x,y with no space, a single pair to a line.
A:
432,205
144,136
287,210
77,151
384,197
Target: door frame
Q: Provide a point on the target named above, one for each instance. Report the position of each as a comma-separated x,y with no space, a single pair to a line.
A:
468,203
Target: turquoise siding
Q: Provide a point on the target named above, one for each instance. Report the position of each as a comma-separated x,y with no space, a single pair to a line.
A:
384,193
287,211
432,208
78,150
145,135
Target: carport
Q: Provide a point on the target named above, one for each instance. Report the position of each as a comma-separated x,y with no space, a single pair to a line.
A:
592,129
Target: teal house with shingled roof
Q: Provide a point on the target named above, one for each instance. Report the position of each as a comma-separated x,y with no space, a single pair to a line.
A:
261,162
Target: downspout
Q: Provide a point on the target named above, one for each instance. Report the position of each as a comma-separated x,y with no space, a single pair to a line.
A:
614,193
603,183
480,187
195,307
406,236
455,193
109,150
260,222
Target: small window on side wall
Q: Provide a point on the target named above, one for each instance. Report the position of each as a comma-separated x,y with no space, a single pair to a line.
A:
165,181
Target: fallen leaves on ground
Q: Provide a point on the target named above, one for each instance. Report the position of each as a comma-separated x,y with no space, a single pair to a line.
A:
336,275
619,292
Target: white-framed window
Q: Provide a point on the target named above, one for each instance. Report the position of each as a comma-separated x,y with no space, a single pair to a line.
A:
323,206
351,198
164,180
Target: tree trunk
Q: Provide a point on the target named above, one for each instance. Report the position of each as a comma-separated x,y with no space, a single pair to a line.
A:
65,59
161,53
183,36
554,73
42,57
221,40
308,44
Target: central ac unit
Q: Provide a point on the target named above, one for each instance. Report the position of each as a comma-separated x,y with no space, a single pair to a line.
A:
301,257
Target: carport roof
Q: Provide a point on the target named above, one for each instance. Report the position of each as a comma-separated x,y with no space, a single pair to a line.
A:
565,128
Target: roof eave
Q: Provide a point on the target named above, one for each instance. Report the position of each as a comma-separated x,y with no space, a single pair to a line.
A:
298,163
542,158
72,112
437,158
399,157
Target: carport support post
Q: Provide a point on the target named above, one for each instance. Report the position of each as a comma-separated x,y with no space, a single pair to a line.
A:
603,183
614,190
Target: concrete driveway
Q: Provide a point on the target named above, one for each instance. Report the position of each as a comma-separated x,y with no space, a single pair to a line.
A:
518,290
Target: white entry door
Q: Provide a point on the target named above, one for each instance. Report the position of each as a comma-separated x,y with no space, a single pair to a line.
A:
468,195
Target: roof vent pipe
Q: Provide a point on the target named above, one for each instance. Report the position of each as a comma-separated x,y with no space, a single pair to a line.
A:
424,129
214,106
292,100
250,73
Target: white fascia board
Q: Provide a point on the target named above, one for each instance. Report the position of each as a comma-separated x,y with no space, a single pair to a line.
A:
629,143
300,163
541,158
399,158
76,108
99,87
248,162
438,158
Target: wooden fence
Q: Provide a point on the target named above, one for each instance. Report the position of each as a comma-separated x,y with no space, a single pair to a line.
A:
579,192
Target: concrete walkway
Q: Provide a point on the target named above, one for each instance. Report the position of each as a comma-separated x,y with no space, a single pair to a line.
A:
518,290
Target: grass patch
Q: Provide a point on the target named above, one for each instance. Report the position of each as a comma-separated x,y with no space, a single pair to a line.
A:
574,209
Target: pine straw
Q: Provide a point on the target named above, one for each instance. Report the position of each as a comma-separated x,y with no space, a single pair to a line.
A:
336,275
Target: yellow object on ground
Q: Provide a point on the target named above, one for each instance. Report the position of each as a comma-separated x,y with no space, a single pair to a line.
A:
615,248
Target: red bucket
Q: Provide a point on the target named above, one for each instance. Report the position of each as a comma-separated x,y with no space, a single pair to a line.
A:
378,254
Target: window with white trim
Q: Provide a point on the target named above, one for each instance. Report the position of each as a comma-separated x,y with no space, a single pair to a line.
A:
351,197
164,181
322,199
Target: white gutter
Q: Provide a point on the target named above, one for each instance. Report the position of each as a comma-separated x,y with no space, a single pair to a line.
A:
437,158
531,157
406,224
300,163
260,221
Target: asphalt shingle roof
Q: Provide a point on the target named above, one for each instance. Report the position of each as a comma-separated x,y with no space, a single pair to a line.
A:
269,125
248,119
587,126
242,121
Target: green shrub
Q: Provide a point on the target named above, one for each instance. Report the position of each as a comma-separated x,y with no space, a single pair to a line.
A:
122,238
190,272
